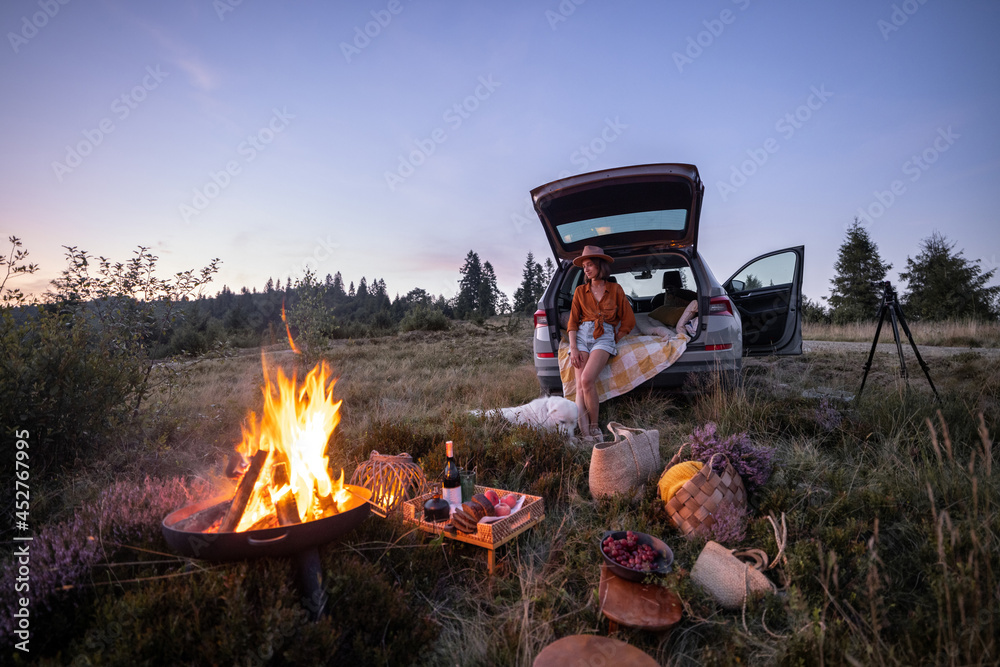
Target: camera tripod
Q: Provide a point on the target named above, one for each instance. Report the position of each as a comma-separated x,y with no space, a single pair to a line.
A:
890,306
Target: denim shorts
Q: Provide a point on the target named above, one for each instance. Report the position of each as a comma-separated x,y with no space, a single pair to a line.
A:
585,339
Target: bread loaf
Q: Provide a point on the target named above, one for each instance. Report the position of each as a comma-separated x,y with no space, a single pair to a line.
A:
485,503
464,522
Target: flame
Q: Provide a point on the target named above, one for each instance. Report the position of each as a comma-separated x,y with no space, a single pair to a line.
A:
295,427
288,330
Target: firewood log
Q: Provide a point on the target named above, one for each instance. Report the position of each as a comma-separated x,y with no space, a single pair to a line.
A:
243,492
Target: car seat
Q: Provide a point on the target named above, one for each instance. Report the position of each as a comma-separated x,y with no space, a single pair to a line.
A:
673,288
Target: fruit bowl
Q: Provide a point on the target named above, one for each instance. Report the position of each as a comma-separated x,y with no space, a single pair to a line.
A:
662,556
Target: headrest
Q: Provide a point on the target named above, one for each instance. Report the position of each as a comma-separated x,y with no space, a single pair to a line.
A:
672,280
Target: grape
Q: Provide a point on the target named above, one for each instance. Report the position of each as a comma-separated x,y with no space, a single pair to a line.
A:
628,552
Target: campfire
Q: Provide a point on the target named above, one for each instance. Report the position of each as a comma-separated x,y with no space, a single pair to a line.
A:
285,476
286,502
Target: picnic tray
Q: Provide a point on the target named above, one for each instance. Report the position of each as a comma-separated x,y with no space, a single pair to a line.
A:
489,536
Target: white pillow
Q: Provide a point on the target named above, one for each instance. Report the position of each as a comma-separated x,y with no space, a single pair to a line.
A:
647,326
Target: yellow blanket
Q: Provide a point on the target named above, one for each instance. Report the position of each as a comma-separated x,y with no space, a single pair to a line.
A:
639,358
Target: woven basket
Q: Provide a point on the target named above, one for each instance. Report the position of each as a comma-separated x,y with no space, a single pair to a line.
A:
625,464
392,479
692,509
729,580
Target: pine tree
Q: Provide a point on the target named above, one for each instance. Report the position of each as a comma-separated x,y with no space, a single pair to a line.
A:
490,296
467,303
853,297
942,284
549,270
526,296
339,295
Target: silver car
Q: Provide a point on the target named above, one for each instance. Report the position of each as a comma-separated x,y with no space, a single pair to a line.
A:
646,217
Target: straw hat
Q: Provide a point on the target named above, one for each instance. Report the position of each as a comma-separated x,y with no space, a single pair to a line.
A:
591,252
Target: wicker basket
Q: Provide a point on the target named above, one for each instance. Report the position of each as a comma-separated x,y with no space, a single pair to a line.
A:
625,464
391,479
727,578
692,509
487,534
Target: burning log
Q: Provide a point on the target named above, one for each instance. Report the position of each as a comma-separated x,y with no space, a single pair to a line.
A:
284,506
243,492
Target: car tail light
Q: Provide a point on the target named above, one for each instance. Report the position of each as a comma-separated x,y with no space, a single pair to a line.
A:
720,305
716,348
546,355
541,319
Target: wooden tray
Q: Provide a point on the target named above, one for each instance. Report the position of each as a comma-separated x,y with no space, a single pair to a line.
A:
488,535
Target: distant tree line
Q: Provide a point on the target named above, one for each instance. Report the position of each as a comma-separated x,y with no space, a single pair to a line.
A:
77,364
941,283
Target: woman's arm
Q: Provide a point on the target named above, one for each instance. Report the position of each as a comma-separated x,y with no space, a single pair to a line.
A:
626,317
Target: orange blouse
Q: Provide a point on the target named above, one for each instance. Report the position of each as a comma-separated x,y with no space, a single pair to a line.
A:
613,309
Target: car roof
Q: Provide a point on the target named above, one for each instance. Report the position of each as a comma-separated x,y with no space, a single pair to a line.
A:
623,210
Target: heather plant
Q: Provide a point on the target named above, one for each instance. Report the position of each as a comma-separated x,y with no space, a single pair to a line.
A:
827,416
63,554
730,525
752,462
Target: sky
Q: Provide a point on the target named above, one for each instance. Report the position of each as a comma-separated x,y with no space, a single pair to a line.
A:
386,139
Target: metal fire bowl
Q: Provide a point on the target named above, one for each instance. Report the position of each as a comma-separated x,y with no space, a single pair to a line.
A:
183,530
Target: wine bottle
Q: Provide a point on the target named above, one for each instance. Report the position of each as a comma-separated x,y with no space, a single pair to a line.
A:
451,481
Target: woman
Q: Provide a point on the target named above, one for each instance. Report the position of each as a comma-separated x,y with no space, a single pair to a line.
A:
599,317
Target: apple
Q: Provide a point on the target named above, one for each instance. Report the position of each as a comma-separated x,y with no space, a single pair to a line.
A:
510,500
502,510
492,496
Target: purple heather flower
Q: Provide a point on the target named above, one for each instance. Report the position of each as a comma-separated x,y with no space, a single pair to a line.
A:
753,463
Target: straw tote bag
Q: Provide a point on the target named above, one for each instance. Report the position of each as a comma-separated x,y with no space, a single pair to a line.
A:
692,509
729,580
626,463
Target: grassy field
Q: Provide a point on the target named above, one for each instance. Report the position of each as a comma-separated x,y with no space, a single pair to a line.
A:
891,505
956,333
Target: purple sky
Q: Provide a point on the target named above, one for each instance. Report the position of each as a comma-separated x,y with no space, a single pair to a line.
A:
386,139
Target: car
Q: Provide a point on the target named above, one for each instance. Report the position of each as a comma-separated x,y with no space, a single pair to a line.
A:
646,217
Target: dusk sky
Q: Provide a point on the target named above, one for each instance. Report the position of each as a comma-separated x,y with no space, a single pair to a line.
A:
387,138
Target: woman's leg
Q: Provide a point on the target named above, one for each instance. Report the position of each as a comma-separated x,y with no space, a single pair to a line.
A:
586,386
583,421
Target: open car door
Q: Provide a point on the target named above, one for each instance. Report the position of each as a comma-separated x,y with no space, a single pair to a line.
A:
767,291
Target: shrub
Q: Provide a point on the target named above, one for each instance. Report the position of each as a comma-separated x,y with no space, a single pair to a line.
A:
422,318
66,381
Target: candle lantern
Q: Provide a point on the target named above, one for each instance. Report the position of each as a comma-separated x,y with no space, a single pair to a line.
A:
391,479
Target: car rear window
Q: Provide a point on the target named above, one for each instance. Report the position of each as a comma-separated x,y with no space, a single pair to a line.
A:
673,220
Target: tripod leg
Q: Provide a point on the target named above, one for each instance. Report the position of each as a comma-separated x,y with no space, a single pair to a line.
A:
871,354
920,360
899,347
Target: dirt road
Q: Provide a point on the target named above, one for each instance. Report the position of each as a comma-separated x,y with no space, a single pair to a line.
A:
927,351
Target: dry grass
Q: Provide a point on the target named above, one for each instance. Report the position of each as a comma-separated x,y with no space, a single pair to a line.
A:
957,333
893,529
